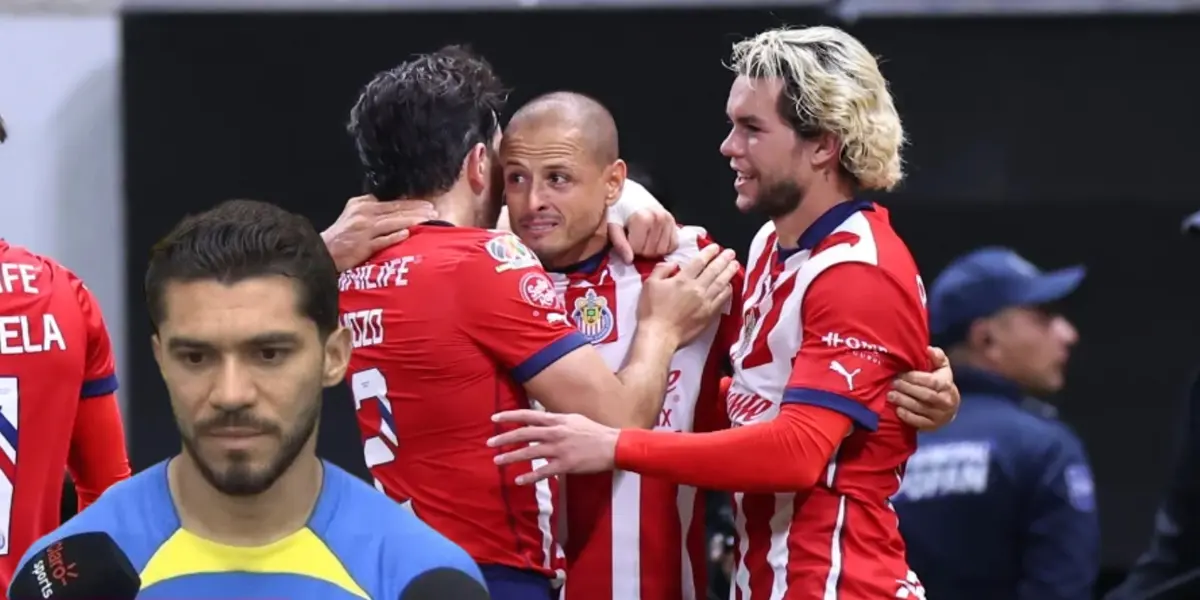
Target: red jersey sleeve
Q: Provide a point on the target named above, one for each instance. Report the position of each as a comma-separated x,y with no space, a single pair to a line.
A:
861,329
99,377
510,307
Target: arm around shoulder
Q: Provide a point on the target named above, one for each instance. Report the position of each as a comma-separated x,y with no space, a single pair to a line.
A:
509,306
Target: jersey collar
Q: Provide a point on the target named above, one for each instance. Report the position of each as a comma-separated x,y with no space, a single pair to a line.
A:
588,266
831,220
824,226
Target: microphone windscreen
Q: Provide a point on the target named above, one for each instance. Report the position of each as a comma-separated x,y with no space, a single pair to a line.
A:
86,565
444,583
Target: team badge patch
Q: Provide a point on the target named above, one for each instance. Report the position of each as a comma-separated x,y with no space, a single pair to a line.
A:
510,253
538,290
1081,492
593,317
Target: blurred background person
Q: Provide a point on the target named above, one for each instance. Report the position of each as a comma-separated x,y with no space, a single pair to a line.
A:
999,504
1170,567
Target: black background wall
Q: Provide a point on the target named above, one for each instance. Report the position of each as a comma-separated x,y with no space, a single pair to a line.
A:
1068,139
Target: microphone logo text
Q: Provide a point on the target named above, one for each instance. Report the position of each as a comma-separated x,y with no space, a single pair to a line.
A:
59,569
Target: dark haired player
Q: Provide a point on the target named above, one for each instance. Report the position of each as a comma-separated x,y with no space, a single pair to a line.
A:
58,405
460,322
243,300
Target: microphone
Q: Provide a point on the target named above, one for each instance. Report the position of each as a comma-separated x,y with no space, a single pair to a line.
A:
85,565
439,584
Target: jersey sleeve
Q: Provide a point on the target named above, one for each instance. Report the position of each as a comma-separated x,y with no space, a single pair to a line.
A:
100,377
861,329
97,458
510,307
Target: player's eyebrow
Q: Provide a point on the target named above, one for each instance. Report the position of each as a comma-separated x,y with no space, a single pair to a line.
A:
750,121
273,338
262,339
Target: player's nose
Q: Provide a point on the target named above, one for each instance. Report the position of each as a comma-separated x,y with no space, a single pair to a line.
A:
234,387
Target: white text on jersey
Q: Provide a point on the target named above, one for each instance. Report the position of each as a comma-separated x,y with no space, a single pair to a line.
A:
17,278
366,326
392,273
17,336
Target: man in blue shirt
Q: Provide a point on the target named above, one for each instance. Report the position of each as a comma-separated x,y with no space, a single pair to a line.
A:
244,304
1000,503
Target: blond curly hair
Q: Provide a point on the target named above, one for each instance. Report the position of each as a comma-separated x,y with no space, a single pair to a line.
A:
832,84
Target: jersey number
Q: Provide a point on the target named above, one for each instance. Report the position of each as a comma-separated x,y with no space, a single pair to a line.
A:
10,396
370,386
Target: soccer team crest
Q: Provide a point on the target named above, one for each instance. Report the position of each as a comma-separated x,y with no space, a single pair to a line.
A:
593,317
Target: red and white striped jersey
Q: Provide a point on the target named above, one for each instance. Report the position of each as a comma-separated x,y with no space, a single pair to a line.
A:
630,537
830,324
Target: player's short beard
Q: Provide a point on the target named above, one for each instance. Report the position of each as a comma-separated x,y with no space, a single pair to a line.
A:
778,198
239,479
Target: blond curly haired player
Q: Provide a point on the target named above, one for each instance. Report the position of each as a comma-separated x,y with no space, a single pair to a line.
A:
834,315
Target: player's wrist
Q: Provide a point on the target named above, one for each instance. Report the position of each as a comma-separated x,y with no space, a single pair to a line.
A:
663,331
634,197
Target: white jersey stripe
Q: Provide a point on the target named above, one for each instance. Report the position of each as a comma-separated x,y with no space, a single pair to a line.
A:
835,553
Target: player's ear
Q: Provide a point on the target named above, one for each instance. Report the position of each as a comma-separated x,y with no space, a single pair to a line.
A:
337,357
979,336
478,168
827,149
156,345
615,175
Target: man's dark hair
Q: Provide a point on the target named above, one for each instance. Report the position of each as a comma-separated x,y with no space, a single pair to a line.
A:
244,239
413,125
3,133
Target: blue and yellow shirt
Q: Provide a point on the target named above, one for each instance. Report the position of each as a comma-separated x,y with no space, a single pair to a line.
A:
358,544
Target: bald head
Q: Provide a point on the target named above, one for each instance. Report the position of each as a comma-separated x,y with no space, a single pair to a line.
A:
572,114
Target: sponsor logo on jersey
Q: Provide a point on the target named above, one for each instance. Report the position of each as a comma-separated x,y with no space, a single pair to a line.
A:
837,340
510,253
745,408
593,317
749,320
537,289
846,374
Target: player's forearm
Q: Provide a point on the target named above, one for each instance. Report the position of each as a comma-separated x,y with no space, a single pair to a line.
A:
645,376
787,454
97,458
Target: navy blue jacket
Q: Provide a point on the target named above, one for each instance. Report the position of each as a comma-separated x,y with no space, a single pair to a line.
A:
1174,555
1000,503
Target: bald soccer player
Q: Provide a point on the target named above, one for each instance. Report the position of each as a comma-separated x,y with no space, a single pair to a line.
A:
628,537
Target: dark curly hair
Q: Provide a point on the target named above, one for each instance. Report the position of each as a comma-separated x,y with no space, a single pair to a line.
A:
413,125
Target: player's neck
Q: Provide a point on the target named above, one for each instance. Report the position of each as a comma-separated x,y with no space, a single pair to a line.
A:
578,253
281,510
457,206
818,199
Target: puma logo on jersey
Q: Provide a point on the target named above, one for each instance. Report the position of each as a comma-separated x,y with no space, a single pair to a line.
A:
837,367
